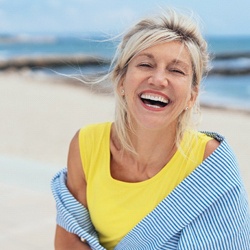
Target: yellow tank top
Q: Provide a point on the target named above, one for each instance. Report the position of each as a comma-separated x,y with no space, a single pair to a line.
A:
115,207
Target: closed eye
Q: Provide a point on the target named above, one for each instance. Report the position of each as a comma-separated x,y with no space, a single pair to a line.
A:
145,65
178,71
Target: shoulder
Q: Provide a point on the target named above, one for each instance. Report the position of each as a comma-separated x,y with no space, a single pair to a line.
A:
90,136
76,182
206,142
211,146
95,127
74,151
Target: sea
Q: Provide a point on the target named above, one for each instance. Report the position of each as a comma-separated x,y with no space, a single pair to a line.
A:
219,89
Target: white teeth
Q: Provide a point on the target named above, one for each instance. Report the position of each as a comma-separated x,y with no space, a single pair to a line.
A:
154,98
153,106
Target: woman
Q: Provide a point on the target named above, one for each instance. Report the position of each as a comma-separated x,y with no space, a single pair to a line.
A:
150,180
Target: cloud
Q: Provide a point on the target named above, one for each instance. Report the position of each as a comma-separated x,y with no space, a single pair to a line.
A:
112,15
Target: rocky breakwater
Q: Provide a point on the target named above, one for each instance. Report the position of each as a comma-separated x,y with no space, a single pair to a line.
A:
231,64
222,64
21,62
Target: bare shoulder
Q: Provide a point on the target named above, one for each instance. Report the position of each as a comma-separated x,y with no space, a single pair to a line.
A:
211,146
74,157
76,182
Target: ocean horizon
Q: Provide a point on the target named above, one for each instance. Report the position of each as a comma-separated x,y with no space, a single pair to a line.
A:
226,87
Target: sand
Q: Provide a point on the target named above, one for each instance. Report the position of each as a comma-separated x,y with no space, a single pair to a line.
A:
39,116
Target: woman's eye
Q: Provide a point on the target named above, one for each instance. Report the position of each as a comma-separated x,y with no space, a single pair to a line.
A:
144,65
178,71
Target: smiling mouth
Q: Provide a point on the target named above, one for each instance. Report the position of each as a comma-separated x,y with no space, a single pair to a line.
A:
154,101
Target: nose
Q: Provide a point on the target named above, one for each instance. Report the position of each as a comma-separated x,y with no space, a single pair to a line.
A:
159,78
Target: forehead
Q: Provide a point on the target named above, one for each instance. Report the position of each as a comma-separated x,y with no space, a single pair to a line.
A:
173,50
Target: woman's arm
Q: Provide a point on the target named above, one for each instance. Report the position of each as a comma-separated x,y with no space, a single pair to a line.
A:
68,241
77,186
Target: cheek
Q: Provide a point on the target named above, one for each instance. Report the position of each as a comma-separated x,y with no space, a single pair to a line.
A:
131,78
184,91
183,94
130,85
187,88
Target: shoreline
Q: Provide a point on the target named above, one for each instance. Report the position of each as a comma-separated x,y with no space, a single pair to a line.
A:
103,88
226,109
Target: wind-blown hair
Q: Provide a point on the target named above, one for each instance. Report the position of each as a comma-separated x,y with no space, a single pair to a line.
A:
164,27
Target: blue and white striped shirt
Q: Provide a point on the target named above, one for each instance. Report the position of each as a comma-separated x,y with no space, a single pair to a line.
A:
207,211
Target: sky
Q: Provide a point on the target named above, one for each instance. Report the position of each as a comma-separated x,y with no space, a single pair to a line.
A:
218,17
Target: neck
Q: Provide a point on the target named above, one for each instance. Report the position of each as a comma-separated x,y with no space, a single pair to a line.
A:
152,146
154,150
150,143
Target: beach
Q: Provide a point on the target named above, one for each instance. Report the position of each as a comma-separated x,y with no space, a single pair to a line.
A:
39,116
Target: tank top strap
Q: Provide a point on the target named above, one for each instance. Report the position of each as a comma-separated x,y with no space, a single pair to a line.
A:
93,141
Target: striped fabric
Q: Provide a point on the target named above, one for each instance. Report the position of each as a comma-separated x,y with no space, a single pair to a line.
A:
208,210
71,215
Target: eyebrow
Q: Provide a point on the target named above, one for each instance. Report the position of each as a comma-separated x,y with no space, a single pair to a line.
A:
181,63
174,61
146,54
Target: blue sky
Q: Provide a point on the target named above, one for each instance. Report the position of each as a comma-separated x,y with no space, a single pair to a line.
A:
219,17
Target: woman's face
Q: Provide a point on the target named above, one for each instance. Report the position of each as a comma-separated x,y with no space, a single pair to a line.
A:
158,85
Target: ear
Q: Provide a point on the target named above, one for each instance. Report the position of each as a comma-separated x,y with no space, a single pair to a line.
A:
120,84
120,88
